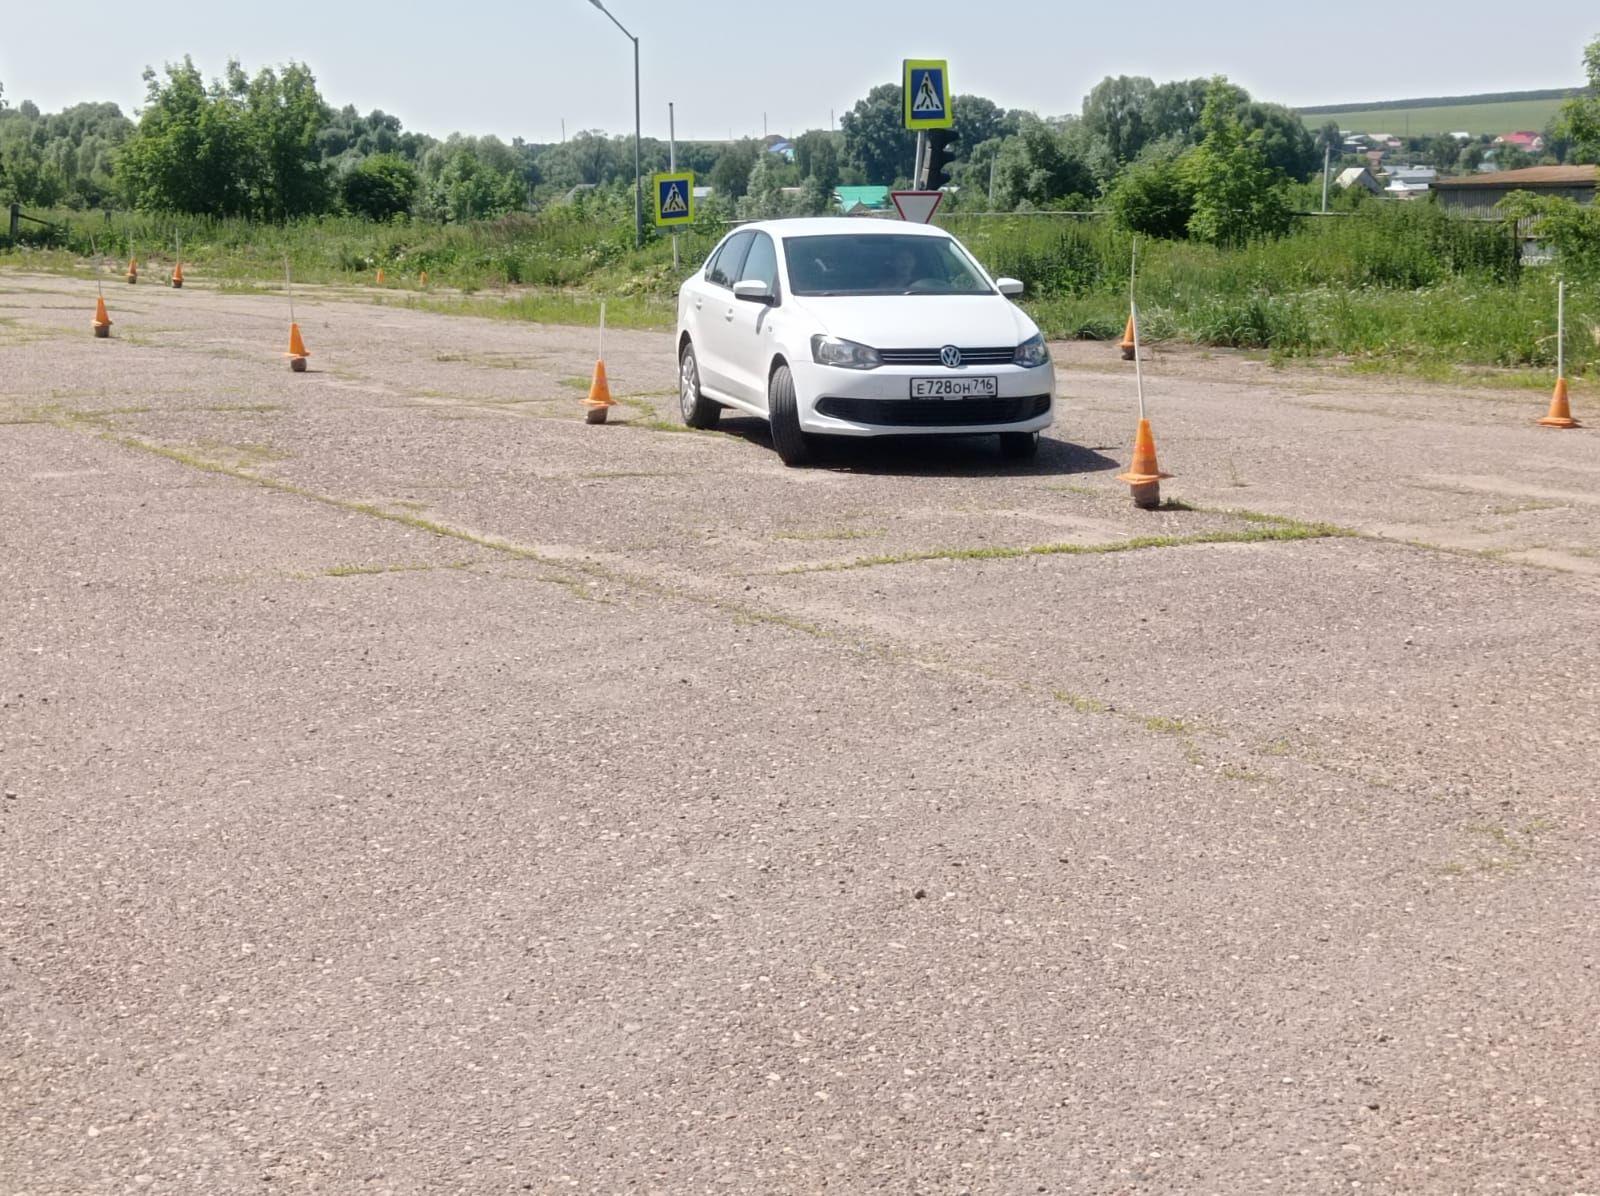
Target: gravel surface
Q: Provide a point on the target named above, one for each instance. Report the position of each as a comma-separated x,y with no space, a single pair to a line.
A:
408,787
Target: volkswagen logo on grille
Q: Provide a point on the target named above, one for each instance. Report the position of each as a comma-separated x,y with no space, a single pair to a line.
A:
950,356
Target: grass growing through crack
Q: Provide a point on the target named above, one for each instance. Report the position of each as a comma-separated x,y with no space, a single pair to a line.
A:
1079,702
1270,528
374,570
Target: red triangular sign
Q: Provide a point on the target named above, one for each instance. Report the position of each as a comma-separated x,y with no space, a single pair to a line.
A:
917,207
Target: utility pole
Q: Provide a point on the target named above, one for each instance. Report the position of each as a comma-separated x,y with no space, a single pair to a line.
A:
1327,162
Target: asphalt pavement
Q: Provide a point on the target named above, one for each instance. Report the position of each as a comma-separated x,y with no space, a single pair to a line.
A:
409,787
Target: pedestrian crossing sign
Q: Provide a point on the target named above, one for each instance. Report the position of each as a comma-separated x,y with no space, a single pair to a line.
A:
926,87
674,199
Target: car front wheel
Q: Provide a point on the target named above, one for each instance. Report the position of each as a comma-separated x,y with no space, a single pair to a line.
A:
697,410
794,446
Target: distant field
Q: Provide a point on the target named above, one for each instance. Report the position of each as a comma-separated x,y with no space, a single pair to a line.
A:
1505,117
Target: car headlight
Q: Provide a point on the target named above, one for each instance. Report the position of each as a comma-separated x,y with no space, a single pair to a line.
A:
833,350
1032,351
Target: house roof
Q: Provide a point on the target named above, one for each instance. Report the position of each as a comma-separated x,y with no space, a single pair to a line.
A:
1533,176
867,197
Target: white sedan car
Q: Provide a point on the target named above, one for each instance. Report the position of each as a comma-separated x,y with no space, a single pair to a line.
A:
840,326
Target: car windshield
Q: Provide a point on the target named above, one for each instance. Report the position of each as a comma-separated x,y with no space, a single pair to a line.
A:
880,264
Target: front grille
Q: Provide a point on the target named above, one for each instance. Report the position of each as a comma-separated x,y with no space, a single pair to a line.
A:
927,413
1001,356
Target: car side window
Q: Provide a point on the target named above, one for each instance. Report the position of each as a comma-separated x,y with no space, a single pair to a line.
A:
761,263
723,269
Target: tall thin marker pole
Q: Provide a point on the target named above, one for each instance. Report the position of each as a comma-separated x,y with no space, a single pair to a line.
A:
638,183
95,251
1327,162
1561,328
602,330
288,285
1133,315
672,165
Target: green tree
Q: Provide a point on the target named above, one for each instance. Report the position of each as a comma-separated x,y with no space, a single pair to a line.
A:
1238,194
730,177
1570,228
1036,169
816,156
283,116
1282,138
1154,197
977,120
1174,109
380,187
1580,116
191,150
1444,151
876,141
1116,110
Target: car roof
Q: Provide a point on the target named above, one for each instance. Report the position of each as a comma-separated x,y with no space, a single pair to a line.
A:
845,226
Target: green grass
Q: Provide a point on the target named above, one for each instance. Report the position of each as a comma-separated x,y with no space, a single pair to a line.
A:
1391,287
1506,116
1278,530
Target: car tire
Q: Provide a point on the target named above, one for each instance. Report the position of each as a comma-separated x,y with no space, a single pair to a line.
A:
697,410
1019,446
783,412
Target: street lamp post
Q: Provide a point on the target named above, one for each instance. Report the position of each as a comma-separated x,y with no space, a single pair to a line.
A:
638,193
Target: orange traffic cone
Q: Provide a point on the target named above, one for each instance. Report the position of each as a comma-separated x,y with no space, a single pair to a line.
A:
422,279
297,353
177,275
1144,475
102,321
133,270
380,276
1127,340
1560,415
599,400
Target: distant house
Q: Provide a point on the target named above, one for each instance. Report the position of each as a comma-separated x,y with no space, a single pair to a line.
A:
1532,142
1478,194
1359,176
1375,159
871,199
1387,140
779,145
1409,179
1400,189
1462,137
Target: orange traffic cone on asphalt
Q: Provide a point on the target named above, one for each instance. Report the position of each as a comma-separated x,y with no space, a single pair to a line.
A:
297,353
1560,415
177,275
133,270
102,321
599,400
1145,474
1127,340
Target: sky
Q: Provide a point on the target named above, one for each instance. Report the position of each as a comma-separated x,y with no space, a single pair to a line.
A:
738,67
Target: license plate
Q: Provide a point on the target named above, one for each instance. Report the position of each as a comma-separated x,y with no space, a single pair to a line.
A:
956,388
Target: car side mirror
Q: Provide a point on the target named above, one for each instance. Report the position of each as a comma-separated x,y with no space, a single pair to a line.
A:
753,290
1009,287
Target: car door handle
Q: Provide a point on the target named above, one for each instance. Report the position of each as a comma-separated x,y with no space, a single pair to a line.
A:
729,316
697,304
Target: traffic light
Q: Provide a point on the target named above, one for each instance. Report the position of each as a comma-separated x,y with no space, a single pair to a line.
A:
937,158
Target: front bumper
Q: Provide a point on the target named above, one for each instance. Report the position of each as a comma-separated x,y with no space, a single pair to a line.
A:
878,402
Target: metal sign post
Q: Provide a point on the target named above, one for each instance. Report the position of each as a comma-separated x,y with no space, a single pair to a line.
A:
672,166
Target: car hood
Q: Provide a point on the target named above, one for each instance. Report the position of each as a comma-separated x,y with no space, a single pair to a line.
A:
918,321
